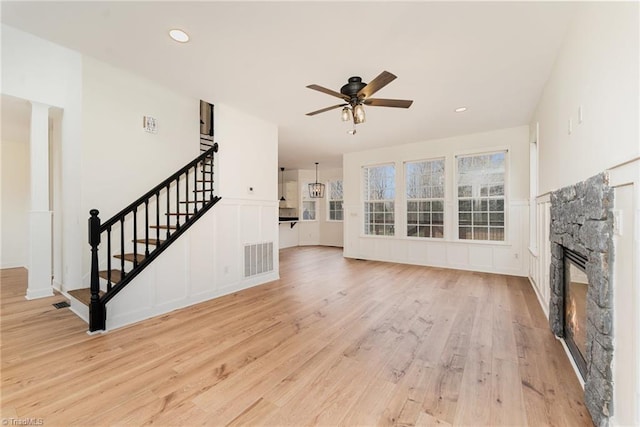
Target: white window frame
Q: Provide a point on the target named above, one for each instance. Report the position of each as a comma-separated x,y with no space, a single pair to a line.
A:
456,198
329,200
364,225
443,199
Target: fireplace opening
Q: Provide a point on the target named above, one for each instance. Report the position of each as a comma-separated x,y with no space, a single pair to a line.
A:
575,307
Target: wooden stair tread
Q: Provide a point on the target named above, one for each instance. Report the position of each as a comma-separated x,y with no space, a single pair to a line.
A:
130,257
116,275
154,242
204,180
83,295
203,190
164,227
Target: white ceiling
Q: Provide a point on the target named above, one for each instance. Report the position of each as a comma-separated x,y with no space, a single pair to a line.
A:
493,58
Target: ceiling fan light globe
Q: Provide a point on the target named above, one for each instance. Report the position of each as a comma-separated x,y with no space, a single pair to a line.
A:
346,114
358,114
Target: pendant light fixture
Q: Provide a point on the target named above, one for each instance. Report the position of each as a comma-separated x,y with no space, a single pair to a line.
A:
282,199
316,190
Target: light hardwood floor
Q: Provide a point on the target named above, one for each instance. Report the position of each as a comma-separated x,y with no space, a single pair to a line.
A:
334,342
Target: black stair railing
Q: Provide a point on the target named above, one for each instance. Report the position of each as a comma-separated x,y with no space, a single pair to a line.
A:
164,196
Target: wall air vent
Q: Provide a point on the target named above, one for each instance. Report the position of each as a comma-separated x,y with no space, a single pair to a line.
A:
258,258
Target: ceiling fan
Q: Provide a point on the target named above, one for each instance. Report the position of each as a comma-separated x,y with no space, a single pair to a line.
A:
356,93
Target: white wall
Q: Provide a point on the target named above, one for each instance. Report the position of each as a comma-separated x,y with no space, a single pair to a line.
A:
14,176
248,155
120,161
38,70
503,257
597,69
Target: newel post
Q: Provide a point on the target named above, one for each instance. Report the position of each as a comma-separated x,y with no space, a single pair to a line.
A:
97,313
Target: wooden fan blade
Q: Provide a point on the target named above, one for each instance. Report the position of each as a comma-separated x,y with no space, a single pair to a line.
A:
328,91
397,103
376,84
313,113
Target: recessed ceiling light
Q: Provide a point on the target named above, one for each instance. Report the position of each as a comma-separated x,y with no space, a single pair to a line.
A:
460,109
179,35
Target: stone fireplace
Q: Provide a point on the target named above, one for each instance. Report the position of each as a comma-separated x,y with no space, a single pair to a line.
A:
581,303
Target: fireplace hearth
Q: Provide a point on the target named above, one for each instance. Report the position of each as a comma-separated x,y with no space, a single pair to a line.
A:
581,302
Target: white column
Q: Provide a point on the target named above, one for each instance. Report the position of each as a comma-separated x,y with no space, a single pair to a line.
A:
39,284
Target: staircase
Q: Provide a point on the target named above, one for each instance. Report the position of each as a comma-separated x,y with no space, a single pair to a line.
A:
124,245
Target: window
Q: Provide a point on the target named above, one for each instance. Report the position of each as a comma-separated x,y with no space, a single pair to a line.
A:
309,210
379,196
335,200
481,196
308,205
425,198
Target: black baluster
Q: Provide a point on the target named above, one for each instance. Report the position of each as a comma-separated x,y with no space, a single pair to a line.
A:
109,258
157,218
135,236
122,246
186,190
211,179
204,183
168,210
146,228
178,202
97,313
195,189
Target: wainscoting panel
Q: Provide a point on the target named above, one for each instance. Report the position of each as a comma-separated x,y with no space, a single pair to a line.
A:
206,262
540,255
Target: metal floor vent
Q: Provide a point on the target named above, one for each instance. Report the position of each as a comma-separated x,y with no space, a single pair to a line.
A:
62,304
258,258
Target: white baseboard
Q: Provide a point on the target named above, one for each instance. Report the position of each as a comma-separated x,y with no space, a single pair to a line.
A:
40,293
